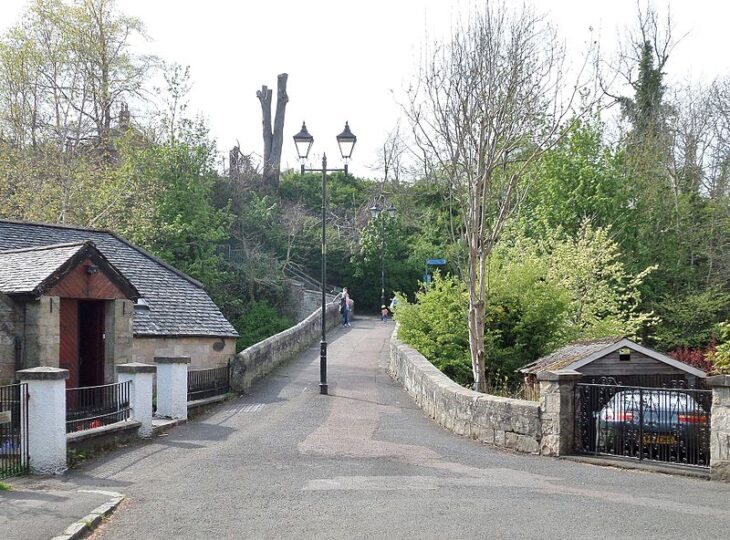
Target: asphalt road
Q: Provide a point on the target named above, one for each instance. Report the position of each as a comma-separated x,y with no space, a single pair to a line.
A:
365,462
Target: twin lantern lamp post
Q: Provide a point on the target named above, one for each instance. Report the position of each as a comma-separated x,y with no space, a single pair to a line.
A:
382,205
303,142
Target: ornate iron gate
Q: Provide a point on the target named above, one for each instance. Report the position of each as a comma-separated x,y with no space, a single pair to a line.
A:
13,430
668,424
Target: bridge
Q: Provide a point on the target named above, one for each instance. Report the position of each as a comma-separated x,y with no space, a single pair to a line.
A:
284,461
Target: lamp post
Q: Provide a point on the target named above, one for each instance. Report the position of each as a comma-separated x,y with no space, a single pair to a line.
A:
380,205
303,142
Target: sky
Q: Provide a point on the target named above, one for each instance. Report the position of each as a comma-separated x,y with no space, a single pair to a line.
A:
351,61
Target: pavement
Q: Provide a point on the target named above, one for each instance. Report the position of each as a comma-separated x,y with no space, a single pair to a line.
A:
363,462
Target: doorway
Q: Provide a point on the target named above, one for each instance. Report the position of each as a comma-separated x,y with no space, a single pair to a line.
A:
91,342
82,341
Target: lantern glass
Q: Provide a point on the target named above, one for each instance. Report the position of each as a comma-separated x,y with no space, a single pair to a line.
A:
346,140
374,211
303,141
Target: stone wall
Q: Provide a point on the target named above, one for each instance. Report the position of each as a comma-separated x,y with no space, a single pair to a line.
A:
11,323
303,301
504,422
260,359
201,350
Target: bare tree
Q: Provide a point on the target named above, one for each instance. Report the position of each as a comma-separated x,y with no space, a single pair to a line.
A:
273,138
391,157
487,104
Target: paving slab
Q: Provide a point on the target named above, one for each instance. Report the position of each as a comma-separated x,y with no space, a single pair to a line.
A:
47,507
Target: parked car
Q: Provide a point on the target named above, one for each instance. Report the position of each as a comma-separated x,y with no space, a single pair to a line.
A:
666,425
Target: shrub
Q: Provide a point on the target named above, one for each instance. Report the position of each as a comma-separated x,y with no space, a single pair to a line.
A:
436,326
720,357
259,321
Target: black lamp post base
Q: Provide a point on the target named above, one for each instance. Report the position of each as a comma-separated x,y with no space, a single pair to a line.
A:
323,388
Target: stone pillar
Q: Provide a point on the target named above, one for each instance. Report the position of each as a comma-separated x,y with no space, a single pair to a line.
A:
46,418
142,376
557,408
172,386
720,428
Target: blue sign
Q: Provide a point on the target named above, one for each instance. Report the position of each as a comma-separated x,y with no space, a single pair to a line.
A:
436,262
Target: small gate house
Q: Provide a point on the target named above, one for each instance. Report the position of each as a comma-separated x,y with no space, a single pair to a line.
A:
617,358
87,300
633,402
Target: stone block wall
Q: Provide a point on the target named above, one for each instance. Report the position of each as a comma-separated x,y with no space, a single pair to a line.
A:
11,325
201,350
720,428
118,325
260,359
499,421
557,407
42,332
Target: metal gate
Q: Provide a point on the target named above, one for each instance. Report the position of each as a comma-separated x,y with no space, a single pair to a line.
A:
13,430
668,424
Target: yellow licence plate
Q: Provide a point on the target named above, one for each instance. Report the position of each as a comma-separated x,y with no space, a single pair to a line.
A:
659,439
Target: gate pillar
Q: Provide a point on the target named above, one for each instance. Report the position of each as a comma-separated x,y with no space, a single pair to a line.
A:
142,376
172,386
46,418
557,408
720,428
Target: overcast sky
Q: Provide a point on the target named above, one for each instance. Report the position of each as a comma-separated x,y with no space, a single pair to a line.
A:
352,60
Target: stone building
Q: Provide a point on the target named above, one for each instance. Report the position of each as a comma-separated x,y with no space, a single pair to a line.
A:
87,299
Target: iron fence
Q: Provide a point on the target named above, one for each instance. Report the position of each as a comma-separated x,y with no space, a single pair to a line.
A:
663,424
205,383
96,406
13,430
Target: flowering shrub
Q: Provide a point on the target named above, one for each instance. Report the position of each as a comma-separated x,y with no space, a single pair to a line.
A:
720,357
715,358
699,357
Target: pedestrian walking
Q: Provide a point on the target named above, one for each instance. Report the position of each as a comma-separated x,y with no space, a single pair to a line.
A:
383,313
345,306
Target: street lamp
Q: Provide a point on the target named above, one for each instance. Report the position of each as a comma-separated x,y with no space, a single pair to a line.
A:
375,210
303,142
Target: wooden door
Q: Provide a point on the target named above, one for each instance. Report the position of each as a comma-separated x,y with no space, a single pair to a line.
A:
68,357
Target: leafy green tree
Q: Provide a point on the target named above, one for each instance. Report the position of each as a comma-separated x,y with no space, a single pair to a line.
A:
605,297
383,236
580,178
184,227
687,320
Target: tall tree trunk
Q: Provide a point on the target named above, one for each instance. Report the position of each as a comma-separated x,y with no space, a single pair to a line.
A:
273,138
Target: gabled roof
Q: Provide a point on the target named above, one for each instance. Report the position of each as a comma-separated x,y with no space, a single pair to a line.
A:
34,270
578,354
178,304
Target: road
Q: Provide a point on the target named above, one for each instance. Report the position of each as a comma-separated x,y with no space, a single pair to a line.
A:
365,462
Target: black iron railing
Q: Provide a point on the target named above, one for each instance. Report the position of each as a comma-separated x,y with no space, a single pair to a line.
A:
662,424
91,407
205,383
13,430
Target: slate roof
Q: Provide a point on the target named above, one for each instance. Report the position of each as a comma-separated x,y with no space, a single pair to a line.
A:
578,354
178,304
569,354
24,270
34,270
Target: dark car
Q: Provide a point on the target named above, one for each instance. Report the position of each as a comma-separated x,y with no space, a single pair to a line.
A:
664,425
